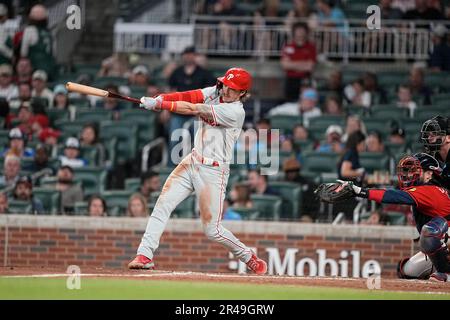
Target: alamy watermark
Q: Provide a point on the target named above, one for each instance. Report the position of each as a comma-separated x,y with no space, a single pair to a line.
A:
73,281
73,20
373,22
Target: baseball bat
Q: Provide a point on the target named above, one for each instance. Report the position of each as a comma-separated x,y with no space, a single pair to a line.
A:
88,90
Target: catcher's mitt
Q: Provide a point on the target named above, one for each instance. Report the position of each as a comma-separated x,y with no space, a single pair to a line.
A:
334,192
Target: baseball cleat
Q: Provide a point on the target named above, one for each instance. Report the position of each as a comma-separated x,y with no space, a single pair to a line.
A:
257,265
141,262
438,277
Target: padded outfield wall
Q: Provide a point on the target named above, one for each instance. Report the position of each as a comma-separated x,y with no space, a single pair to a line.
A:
290,248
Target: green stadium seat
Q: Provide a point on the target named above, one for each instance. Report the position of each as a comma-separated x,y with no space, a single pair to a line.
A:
303,146
69,128
352,109
395,148
81,208
57,114
325,121
90,154
424,113
48,181
4,138
372,161
164,174
146,122
126,134
132,184
50,199
80,103
93,115
389,112
396,218
285,123
93,179
440,99
315,162
19,207
40,100
290,193
102,82
117,198
269,207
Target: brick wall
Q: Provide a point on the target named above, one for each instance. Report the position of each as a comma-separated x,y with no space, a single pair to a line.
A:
48,241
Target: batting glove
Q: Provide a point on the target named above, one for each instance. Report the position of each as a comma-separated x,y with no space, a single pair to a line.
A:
150,103
360,192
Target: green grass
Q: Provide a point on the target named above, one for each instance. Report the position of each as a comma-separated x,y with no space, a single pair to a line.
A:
103,288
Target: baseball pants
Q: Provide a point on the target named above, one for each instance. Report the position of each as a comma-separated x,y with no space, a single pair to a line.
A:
209,183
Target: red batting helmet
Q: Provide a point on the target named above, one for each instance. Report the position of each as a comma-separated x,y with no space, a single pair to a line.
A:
237,79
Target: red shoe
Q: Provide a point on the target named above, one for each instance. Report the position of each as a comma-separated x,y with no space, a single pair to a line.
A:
141,262
257,265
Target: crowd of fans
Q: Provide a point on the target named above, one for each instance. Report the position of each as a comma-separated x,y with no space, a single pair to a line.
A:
38,150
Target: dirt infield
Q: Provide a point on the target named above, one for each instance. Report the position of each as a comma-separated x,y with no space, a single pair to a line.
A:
386,284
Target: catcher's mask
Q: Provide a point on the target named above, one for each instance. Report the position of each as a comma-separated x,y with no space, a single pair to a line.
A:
433,133
410,168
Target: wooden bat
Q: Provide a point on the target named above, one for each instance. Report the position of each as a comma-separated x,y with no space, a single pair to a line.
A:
88,90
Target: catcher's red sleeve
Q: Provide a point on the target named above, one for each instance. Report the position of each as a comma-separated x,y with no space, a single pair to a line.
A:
192,96
376,195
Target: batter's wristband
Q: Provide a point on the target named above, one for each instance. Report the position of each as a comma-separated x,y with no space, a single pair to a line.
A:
169,105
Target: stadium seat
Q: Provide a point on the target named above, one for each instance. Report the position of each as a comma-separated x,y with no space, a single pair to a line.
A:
90,154
352,109
4,138
395,148
389,112
93,179
315,162
423,113
126,134
19,207
132,184
102,82
80,103
325,121
290,193
304,145
382,125
396,218
50,199
285,123
248,213
57,114
117,198
93,115
69,128
372,161
146,122
40,100
164,174
269,207
81,208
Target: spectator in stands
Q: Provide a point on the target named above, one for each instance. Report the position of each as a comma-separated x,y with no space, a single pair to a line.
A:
397,136
4,204
89,138
71,154
11,170
305,107
269,8
23,191
239,197
418,86
16,145
440,57
353,124
8,89
300,133
40,89
114,105
333,141
24,95
286,144
298,59
41,160
97,206
423,11
61,100
117,65
335,85
349,167
137,206
301,10
226,8
329,15
404,5
371,85
139,76
258,183
376,217
374,142
24,71
37,42
333,106
405,99
71,192
49,136
389,12
263,130
150,182
6,52
356,94
188,76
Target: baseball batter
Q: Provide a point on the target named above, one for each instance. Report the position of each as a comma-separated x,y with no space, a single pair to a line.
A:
206,169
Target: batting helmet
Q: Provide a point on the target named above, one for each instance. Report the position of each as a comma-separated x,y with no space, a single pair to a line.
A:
237,79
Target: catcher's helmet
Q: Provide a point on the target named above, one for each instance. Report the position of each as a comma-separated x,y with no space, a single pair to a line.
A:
433,133
410,168
237,79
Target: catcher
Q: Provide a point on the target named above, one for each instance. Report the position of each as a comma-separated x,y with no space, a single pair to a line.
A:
431,208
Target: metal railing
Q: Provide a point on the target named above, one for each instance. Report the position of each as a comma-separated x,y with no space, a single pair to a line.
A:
241,36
